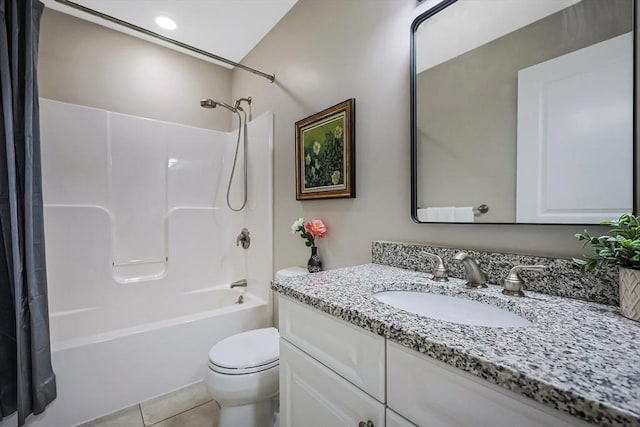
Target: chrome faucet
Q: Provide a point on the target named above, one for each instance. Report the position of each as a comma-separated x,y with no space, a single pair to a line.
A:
440,272
513,283
476,278
239,283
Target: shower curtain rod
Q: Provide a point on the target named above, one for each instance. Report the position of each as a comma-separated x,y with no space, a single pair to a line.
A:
270,77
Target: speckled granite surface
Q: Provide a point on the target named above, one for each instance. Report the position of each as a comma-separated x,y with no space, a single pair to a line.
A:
561,278
578,357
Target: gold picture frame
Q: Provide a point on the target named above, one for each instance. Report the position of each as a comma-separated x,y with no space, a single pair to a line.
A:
325,153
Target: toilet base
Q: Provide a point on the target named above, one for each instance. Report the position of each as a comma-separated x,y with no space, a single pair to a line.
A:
257,414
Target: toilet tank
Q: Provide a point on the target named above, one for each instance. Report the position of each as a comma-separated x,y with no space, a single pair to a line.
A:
290,272
283,274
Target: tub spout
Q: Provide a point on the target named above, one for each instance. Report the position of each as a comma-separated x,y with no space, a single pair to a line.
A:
239,283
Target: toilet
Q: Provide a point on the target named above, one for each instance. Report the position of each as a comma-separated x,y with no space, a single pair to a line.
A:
243,374
243,377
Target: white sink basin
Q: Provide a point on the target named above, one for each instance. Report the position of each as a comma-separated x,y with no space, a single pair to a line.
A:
452,309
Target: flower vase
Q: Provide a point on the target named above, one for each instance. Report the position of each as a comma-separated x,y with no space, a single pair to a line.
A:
629,293
314,264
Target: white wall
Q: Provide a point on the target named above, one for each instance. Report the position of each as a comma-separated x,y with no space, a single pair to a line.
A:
322,53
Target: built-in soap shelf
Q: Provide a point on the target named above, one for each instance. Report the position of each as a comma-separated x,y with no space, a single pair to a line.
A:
139,270
139,261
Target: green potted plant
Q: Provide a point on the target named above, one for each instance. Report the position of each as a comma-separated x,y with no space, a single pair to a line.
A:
620,246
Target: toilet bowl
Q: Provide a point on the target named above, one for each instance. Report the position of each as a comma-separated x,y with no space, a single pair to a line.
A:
243,377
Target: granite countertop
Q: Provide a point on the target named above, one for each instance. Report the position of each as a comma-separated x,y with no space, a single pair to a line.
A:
579,357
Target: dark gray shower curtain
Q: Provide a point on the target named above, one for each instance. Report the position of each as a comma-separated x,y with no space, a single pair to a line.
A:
27,382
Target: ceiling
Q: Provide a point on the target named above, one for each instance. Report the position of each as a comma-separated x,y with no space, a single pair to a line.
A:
227,28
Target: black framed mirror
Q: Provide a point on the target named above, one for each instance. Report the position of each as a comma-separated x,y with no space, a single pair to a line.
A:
523,112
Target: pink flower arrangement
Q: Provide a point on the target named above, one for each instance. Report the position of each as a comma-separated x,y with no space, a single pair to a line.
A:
309,230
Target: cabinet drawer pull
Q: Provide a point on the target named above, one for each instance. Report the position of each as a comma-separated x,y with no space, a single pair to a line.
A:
366,424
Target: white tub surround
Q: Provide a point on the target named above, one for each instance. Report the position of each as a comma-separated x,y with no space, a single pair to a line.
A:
141,250
134,205
577,357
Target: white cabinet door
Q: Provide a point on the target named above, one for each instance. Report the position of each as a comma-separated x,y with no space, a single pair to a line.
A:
352,352
313,396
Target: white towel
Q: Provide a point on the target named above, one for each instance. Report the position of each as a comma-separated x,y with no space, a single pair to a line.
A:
464,214
439,214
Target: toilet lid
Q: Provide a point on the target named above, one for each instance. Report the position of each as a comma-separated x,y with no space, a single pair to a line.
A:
250,349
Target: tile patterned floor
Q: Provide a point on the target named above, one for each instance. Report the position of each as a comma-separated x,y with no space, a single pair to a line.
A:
191,406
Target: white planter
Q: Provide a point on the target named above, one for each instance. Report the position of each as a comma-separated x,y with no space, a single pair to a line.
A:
630,293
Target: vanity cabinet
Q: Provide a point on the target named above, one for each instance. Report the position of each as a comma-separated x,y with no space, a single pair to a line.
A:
333,373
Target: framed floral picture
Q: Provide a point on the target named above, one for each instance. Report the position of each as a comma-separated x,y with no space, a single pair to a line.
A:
325,153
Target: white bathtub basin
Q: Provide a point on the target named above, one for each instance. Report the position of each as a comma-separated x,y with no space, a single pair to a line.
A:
452,309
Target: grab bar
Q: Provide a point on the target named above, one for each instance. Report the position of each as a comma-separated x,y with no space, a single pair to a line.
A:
139,261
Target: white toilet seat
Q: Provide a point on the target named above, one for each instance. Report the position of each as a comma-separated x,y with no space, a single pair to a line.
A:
242,371
246,353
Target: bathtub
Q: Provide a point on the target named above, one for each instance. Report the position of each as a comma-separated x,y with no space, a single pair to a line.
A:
163,347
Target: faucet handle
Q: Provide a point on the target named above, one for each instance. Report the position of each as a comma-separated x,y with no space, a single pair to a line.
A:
440,272
513,282
244,239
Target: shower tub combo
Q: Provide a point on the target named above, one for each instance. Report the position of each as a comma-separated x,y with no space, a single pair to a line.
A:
141,251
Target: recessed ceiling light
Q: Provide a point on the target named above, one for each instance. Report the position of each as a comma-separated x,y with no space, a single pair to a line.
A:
166,22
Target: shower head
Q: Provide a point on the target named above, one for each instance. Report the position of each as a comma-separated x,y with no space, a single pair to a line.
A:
207,103
210,103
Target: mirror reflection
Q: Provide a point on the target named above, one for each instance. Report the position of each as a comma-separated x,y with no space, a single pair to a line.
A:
525,107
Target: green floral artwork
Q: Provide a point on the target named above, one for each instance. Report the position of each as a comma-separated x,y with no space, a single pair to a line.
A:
324,154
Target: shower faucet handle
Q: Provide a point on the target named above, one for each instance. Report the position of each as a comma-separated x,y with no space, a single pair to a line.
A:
244,239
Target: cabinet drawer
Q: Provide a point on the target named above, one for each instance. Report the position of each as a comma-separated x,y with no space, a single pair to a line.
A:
357,355
431,393
312,395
